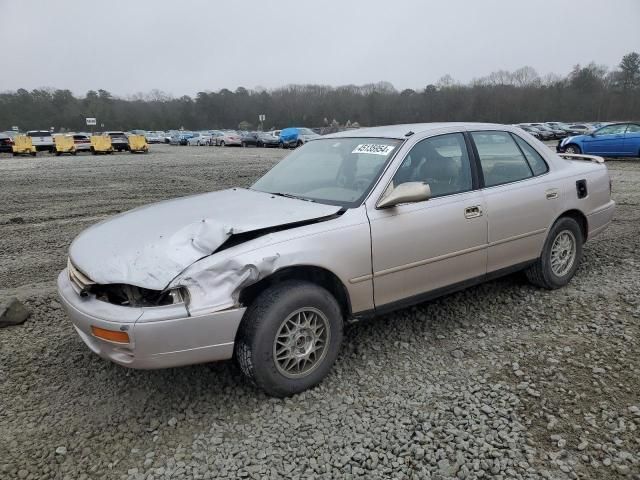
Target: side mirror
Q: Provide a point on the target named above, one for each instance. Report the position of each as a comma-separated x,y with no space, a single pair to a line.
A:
408,192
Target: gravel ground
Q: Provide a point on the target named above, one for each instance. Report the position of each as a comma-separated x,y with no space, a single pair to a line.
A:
500,381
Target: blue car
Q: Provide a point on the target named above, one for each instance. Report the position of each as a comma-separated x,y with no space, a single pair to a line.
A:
614,140
294,137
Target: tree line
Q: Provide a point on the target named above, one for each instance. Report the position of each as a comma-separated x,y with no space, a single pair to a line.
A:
589,93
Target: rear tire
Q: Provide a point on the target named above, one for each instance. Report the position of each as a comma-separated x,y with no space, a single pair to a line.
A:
573,149
299,144
289,338
560,257
222,144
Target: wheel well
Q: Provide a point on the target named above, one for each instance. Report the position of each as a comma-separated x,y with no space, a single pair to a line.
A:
579,217
318,275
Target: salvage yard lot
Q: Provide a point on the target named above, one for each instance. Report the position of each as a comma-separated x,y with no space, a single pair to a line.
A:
501,379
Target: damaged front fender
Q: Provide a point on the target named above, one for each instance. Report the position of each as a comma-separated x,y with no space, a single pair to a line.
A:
216,285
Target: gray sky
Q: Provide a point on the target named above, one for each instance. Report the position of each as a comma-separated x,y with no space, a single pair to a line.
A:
185,46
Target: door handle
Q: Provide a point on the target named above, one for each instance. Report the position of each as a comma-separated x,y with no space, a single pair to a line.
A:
473,212
551,194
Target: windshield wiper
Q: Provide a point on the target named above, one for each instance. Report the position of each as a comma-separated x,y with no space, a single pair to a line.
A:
290,195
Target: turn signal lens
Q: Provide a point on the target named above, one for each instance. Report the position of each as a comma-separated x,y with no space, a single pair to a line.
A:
110,335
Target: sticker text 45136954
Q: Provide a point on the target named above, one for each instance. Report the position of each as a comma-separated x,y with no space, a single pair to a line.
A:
374,149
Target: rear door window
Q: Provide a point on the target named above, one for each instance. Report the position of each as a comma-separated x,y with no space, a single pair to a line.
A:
500,158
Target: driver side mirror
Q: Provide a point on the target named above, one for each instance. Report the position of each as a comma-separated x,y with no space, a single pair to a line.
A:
408,192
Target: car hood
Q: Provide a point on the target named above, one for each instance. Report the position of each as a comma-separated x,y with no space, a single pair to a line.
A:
150,245
571,138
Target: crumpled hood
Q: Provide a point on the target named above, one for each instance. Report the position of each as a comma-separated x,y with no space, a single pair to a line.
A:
150,245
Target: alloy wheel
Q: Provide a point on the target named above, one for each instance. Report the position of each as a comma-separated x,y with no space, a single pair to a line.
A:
563,253
301,342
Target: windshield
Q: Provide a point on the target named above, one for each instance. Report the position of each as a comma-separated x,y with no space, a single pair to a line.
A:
337,171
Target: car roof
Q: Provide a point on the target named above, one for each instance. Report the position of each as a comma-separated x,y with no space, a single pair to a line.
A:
400,131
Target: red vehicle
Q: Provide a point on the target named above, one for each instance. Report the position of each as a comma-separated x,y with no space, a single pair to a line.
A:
6,143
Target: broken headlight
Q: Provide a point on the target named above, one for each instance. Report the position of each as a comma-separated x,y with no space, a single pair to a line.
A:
133,296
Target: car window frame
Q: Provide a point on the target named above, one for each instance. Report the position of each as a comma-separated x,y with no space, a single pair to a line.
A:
479,163
475,178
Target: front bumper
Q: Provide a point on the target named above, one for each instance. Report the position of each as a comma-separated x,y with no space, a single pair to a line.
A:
159,337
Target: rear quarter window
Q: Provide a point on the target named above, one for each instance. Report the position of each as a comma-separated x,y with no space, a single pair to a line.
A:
535,160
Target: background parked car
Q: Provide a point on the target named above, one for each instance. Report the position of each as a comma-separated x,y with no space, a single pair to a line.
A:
154,137
42,140
531,130
6,143
581,128
227,138
615,140
180,138
564,127
545,133
296,136
199,139
249,139
556,132
82,142
268,139
119,140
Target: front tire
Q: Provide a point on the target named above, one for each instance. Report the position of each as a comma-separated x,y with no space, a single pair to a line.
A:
560,257
289,338
573,149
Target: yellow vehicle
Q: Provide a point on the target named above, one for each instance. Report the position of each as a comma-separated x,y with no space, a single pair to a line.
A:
23,145
101,144
64,144
138,144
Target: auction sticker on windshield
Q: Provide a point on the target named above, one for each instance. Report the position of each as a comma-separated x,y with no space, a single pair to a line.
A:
374,149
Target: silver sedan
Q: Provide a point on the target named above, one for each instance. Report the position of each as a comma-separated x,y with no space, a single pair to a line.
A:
348,226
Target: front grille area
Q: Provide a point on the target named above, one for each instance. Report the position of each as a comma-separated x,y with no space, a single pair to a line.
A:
81,283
